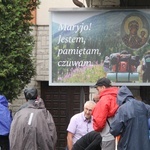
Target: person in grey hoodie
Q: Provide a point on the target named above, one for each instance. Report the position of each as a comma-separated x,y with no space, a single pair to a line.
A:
130,122
33,127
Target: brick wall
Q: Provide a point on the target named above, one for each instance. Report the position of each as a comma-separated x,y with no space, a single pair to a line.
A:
42,53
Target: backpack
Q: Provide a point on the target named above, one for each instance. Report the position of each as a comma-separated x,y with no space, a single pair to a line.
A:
123,62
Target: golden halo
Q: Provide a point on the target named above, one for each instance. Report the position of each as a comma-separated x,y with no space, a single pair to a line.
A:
132,18
143,29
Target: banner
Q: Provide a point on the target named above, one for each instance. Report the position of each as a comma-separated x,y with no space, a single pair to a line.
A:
87,44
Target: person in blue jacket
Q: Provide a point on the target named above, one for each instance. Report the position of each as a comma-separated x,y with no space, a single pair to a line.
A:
5,123
130,122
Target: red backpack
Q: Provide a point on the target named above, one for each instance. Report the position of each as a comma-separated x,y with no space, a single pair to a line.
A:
122,63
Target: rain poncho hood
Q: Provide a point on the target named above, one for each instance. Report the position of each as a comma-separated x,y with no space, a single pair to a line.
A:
5,116
123,94
3,101
130,122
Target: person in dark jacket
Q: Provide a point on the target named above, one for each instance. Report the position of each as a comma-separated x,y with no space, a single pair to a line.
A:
33,127
90,141
130,122
5,122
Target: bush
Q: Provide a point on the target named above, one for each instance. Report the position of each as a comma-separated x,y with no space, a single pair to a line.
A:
16,45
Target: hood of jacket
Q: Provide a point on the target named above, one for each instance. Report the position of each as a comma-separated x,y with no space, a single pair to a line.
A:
37,104
3,101
123,94
109,91
31,93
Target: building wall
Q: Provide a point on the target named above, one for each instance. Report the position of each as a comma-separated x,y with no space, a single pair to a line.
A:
42,34
46,5
41,51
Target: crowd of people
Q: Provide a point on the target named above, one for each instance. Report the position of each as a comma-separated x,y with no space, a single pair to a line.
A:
119,121
114,119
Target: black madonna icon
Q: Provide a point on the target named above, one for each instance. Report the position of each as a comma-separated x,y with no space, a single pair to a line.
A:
135,31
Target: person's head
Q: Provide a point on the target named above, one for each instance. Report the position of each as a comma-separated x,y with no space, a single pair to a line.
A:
124,52
96,98
143,33
107,58
102,84
31,94
133,27
88,107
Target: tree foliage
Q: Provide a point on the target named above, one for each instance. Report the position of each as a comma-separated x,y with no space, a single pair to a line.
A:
17,65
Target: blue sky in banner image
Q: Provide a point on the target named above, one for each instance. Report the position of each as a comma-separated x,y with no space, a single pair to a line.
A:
82,16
